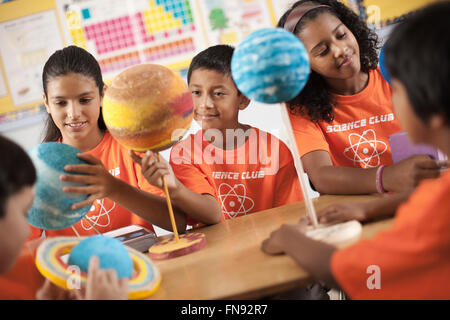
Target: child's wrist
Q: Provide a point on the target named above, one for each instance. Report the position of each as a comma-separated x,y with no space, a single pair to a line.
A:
116,188
176,191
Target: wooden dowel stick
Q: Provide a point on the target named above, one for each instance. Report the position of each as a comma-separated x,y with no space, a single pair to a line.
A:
169,205
298,164
75,230
89,221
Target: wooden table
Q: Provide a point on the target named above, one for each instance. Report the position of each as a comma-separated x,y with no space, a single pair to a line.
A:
232,265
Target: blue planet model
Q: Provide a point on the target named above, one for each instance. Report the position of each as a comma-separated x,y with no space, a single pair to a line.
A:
270,65
51,206
111,252
383,68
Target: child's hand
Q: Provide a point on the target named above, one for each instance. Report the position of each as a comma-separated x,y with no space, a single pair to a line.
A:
50,291
103,284
100,183
341,212
406,174
272,244
278,241
153,170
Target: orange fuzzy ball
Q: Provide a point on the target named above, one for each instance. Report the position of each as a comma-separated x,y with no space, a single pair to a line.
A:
147,107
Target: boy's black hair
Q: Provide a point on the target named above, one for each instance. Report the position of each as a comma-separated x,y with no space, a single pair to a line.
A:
217,58
418,55
315,100
71,59
16,171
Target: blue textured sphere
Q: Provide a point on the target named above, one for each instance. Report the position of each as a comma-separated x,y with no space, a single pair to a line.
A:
270,65
111,253
51,206
383,68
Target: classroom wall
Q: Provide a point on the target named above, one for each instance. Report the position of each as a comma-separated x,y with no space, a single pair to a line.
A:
28,134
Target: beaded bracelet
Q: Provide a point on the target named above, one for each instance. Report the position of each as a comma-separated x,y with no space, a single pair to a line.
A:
379,180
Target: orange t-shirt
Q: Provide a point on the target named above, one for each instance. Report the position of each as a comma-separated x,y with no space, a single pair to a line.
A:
358,135
258,175
105,214
23,280
412,260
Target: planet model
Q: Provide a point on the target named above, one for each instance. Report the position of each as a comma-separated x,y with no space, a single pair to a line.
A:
147,107
50,209
53,254
111,252
270,65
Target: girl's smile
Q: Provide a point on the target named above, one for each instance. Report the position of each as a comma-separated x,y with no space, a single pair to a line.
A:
77,126
347,61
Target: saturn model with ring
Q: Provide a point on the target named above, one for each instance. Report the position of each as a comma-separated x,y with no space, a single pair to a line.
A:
144,281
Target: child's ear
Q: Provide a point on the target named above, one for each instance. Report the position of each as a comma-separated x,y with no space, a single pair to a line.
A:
437,121
105,87
243,102
44,97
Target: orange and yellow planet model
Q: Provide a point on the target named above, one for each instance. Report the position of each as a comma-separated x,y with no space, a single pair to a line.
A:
147,107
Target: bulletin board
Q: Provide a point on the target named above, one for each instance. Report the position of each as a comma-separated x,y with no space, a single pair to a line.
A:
381,13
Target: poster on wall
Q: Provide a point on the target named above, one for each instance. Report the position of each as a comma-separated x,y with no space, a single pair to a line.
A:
124,33
280,7
229,21
27,43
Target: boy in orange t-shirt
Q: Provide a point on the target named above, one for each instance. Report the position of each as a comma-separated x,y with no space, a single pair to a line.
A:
242,182
19,277
412,259
247,169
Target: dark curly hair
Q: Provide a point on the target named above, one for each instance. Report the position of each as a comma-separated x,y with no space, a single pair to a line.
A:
315,99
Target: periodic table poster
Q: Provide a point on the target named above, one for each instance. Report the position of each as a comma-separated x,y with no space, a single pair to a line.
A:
125,33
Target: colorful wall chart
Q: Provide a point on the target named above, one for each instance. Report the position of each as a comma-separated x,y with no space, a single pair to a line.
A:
124,33
228,21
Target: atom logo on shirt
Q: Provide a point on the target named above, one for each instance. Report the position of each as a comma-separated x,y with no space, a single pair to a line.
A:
102,219
234,200
365,149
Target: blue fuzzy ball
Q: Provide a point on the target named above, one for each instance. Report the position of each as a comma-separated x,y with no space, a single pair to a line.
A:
111,252
270,65
51,206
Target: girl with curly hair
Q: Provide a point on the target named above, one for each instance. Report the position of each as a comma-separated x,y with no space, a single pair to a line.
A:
343,117
410,260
